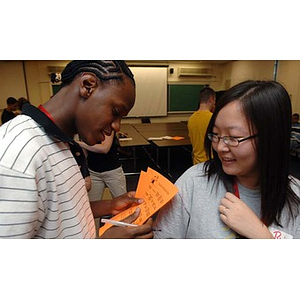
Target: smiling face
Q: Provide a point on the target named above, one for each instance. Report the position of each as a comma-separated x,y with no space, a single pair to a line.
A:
240,161
102,111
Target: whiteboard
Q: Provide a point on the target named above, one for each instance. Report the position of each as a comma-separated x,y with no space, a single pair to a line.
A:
151,92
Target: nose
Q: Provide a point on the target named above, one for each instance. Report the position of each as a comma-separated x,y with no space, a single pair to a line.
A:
116,124
221,146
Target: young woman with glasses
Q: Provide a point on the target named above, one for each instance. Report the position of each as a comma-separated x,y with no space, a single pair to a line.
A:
244,189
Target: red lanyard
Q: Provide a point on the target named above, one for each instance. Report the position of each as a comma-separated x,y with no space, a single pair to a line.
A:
41,108
236,189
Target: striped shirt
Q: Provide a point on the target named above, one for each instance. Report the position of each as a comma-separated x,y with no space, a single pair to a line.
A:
42,191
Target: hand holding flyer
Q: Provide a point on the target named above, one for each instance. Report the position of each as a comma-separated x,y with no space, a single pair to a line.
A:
155,189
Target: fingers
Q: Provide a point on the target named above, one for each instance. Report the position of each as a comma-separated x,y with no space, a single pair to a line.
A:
227,201
149,222
140,232
123,202
131,194
130,198
128,195
133,216
147,232
143,232
224,213
222,209
231,197
224,204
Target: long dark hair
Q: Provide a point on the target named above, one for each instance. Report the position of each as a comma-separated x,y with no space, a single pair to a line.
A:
267,108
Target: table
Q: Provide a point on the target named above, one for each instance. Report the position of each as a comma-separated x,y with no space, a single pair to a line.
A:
174,126
165,129
136,140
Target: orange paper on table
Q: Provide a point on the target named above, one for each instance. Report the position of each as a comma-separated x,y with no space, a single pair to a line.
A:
155,189
177,138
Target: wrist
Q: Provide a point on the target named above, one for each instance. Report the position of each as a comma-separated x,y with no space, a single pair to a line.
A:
267,233
106,207
101,208
262,232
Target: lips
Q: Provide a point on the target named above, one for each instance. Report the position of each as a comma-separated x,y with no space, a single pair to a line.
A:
227,160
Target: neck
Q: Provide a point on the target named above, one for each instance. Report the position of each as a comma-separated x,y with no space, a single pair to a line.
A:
62,113
251,183
204,107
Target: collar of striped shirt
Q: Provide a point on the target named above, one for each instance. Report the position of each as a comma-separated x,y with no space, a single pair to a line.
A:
54,131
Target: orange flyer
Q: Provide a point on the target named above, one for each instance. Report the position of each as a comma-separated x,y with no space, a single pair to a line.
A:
155,189
178,138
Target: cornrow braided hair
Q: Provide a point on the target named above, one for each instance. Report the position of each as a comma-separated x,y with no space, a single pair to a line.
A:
105,70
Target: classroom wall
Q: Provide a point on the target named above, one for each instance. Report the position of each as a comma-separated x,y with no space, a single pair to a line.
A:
289,76
38,79
12,82
14,74
237,71
173,78
214,82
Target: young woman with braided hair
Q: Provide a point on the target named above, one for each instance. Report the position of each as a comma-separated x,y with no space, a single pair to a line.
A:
42,190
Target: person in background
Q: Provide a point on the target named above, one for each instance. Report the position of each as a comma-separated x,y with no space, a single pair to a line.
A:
8,112
244,189
22,101
105,168
198,122
42,191
295,133
295,120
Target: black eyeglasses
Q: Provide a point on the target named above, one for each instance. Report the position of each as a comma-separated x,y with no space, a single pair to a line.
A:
229,140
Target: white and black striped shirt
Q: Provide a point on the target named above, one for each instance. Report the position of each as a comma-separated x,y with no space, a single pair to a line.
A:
42,191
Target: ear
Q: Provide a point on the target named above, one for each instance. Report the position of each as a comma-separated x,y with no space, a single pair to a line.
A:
88,83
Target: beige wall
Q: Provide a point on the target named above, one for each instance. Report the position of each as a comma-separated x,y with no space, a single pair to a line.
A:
38,79
289,76
226,74
12,82
238,71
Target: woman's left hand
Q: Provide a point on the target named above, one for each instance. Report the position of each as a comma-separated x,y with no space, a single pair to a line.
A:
241,218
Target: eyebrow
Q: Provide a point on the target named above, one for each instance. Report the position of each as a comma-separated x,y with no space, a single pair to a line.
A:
230,127
233,127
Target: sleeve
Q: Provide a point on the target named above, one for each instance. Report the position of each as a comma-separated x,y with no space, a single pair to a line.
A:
21,211
173,219
297,233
